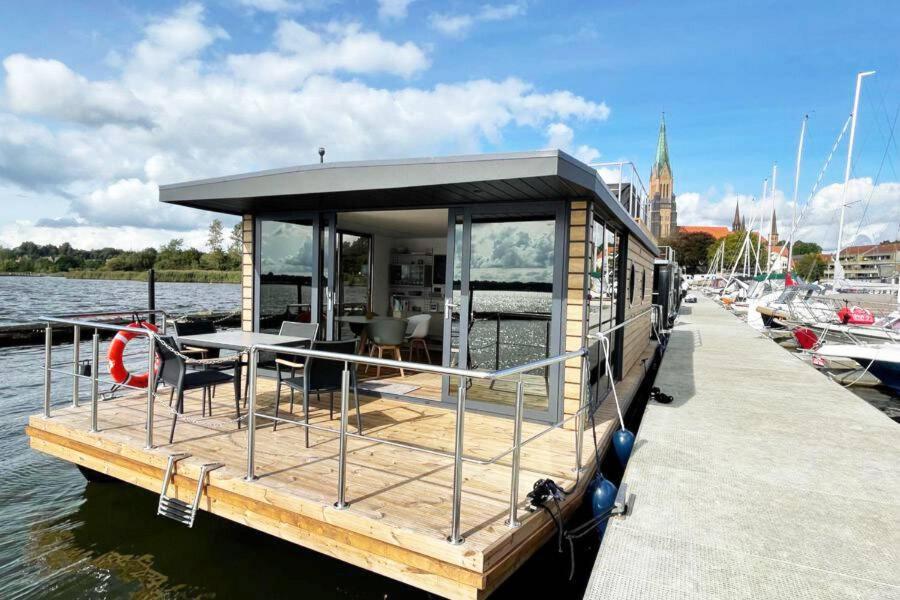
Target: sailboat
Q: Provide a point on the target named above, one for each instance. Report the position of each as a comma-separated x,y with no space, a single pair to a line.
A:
881,359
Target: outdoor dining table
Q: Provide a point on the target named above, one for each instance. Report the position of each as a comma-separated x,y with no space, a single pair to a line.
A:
240,342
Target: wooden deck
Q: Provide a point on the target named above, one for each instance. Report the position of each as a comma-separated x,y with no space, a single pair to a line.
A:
400,500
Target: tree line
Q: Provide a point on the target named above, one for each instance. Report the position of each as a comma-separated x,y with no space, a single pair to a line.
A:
29,257
695,252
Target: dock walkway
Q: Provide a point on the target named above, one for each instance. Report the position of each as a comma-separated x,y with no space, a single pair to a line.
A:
763,479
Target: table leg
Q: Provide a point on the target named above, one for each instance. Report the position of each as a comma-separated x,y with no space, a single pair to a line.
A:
363,340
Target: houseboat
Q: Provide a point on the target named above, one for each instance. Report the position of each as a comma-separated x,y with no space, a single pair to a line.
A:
414,454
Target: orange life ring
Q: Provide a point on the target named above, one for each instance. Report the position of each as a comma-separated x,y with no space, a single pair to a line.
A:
114,355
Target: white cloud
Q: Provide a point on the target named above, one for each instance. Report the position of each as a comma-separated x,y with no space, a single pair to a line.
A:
178,110
124,237
301,52
275,6
458,25
561,136
49,88
872,214
393,9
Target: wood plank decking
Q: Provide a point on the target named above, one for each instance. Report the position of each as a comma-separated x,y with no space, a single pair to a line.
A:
400,500
763,479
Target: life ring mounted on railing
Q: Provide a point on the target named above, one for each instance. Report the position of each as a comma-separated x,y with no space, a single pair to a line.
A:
114,355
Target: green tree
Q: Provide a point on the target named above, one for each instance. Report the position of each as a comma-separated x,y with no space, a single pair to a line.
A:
216,236
236,239
733,243
692,250
801,247
810,266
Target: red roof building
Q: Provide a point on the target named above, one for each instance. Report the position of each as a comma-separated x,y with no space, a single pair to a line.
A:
717,232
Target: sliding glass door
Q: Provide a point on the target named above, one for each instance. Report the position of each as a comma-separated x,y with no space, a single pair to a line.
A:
354,291
288,268
504,306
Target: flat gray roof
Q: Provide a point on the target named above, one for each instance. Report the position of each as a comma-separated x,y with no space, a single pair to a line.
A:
390,184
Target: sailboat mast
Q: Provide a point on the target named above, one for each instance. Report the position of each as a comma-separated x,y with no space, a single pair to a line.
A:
796,190
759,237
769,239
838,272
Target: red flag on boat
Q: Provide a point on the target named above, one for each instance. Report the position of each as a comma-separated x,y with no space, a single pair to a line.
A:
788,280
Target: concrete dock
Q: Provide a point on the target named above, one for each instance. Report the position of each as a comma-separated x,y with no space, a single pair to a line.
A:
763,479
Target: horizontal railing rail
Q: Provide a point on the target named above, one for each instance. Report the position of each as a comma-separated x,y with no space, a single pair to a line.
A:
79,321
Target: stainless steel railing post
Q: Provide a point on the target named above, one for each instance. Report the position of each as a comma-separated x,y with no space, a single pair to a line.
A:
48,345
95,378
579,420
513,520
342,442
76,356
251,415
151,387
455,537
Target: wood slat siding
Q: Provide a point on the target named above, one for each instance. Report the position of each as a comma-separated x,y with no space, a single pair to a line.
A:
637,333
247,274
576,277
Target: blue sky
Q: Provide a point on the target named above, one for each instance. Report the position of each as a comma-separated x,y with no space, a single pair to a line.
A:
101,101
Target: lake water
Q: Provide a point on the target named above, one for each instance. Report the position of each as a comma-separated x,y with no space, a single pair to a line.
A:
61,537
24,299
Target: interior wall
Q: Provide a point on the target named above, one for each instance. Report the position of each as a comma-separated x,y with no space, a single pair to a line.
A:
433,245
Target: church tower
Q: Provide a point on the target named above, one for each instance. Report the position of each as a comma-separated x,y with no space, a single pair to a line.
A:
773,236
737,224
663,213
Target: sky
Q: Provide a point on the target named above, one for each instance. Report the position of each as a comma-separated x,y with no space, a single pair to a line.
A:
102,101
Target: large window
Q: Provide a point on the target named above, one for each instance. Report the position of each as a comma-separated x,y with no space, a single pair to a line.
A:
603,294
603,271
286,260
504,276
355,291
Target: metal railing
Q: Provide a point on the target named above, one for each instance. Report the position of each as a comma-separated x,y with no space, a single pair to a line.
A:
630,190
464,375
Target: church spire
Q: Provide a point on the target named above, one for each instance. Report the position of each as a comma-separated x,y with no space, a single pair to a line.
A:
737,224
773,236
662,148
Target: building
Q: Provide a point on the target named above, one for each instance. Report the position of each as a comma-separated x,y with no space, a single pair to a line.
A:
773,235
872,262
663,212
717,232
737,224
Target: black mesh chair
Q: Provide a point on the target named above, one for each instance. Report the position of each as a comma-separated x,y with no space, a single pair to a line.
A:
199,327
173,372
291,364
323,375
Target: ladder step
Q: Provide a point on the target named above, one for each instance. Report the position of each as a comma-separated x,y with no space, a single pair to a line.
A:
175,508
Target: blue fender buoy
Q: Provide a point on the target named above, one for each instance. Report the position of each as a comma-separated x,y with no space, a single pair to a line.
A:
623,442
603,498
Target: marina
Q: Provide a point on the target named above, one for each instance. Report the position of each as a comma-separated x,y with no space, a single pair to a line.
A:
408,300
763,479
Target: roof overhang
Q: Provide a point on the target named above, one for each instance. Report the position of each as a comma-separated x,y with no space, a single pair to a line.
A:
408,183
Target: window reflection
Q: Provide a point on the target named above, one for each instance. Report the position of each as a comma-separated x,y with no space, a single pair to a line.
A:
286,269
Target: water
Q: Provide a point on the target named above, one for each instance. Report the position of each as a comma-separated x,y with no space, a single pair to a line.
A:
24,299
61,537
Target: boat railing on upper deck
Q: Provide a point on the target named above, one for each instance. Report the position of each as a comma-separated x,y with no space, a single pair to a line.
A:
458,456
630,190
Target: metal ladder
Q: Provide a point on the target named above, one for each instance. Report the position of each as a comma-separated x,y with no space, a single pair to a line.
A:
174,508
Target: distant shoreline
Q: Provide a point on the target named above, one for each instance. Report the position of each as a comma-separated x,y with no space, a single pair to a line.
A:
162,276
